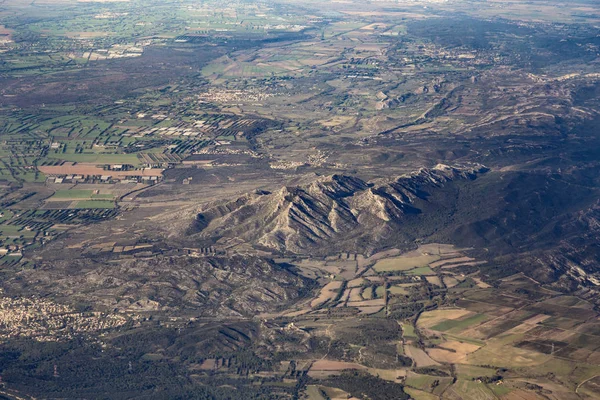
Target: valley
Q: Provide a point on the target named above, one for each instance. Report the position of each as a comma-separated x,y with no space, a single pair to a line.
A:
299,200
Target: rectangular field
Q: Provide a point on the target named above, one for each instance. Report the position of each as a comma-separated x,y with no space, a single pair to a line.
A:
459,324
404,263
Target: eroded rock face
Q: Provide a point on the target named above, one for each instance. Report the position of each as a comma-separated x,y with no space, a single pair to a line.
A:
296,219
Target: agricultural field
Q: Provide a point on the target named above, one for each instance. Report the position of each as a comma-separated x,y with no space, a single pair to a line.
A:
299,199
513,339
489,339
405,263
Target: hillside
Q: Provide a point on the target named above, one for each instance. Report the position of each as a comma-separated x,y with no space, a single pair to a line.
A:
330,209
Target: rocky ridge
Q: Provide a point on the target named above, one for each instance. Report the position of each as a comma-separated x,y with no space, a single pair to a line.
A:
300,218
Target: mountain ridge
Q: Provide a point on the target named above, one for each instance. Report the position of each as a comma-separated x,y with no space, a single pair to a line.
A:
299,218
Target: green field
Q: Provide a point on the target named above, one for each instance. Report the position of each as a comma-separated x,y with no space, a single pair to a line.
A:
73,194
459,324
408,330
398,290
98,158
6,215
500,390
473,371
83,194
426,382
16,231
